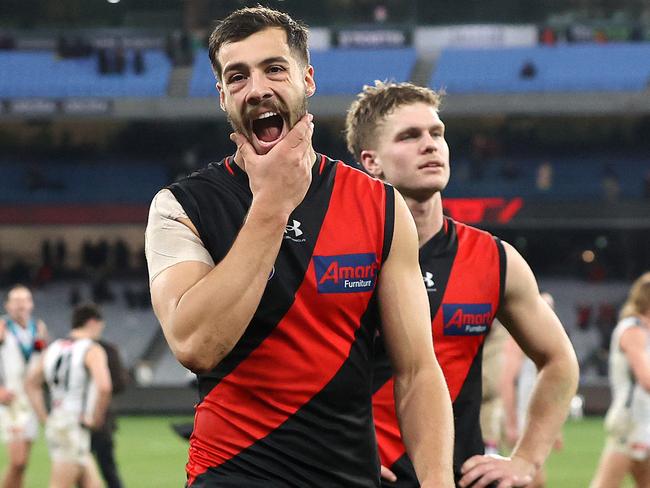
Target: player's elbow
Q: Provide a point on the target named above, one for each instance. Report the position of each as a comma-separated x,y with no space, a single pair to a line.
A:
197,357
104,389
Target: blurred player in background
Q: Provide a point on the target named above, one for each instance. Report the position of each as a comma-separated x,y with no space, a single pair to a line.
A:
627,448
21,336
518,378
265,277
394,130
101,440
77,375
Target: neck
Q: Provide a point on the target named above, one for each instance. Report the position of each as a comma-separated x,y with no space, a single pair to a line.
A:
239,160
81,334
22,321
427,215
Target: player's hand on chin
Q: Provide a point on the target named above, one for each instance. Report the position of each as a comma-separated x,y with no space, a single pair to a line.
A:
281,177
506,472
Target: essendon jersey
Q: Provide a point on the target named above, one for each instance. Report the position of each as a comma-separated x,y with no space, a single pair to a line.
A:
464,272
290,405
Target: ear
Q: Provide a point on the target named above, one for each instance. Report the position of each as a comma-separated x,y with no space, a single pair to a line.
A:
371,163
221,96
310,84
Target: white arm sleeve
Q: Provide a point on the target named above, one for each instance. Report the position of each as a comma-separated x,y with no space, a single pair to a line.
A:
167,241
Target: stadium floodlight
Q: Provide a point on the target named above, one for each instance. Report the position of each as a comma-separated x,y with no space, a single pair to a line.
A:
113,1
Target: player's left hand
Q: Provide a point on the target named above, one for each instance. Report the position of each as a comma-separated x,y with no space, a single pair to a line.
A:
505,472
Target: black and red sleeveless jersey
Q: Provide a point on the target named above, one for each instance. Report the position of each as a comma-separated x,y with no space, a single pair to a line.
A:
291,404
464,272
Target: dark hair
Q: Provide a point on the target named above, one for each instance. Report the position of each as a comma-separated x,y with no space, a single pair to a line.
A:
83,313
245,22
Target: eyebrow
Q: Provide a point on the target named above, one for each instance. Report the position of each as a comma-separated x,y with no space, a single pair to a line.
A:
240,66
437,125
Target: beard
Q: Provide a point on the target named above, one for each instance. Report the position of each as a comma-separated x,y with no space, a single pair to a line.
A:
290,116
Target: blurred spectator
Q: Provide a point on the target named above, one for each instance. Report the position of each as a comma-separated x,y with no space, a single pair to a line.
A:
61,253
583,316
77,47
547,36
600,37
528,70
510,170
38,180
138,62
46,253
544,177
102,443
103,64
611,184
7,42
75,296
380,14
120,59
122,256
646,186
101,291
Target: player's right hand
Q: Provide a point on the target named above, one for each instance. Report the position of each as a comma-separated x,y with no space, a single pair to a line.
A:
280,178
6,396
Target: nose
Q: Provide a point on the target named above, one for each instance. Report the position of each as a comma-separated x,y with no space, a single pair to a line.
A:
428,144
258,89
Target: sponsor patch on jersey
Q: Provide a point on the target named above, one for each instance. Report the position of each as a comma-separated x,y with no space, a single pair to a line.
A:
346,273
466,318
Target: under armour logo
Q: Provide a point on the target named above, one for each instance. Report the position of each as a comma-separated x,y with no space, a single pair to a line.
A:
292,231
428,281
295,228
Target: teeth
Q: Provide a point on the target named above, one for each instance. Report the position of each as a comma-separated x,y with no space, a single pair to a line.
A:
266,115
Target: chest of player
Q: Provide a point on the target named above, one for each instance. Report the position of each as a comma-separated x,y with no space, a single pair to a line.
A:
464,288
331,249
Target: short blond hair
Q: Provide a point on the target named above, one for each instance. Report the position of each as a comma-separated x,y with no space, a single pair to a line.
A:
638,300
376,102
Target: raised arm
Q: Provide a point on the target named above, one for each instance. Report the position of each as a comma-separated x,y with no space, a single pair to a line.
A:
204,310
97,364
422,400
538,331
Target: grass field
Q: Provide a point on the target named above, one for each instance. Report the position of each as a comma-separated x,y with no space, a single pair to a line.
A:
151,455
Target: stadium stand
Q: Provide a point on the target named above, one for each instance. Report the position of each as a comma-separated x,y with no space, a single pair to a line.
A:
563,68
574,179
80,182
43,74
338,71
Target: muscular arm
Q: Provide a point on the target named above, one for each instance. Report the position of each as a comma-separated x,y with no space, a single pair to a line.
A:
34,389
633,343
97,365
512,361
422,399
204,311
538,331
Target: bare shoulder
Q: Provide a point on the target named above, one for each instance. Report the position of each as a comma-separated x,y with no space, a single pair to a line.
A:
633,338
95,354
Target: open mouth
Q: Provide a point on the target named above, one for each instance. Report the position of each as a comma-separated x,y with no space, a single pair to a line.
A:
268,128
